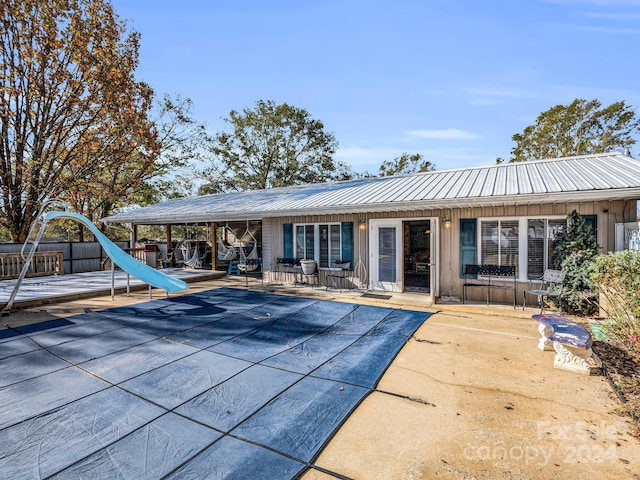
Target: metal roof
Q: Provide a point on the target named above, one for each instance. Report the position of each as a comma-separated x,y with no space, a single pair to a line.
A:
610,176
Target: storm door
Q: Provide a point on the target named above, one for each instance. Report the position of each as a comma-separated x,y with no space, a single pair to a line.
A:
386,252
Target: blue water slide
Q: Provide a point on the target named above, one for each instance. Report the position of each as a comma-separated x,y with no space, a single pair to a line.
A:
126,262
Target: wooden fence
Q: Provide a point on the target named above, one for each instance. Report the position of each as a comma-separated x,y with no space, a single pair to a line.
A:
56,258
43,263
137,253
78,256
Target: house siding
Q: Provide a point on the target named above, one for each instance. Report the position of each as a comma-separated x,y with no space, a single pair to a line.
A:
604,185
449,243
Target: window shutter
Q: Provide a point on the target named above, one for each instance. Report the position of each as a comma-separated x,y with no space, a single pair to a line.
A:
468,243
347,243
287,235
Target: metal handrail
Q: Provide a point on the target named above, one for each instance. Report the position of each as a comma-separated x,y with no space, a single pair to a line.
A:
40,224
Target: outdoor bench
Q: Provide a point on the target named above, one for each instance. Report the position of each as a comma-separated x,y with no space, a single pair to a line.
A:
338,274
42,264
571,342
489,277
285,267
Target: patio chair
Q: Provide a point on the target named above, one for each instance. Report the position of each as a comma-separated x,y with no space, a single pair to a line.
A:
192,259
338,274
248,262
251,261
550,285
226,252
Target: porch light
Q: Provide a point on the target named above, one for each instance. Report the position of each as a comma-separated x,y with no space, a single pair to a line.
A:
446,221
362,224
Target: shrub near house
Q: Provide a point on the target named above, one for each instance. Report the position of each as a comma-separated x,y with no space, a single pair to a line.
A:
576,247
616,278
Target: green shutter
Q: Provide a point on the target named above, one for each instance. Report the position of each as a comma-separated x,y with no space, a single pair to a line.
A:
287,235
347,243
468,246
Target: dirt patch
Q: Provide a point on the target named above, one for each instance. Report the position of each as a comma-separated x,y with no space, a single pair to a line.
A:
624,373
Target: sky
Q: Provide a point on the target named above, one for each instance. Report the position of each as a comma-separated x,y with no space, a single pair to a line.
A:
452,80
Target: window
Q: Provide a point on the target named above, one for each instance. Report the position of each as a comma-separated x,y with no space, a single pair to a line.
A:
387,256
305,241
499,242
324,243
330,244
526,242
542,238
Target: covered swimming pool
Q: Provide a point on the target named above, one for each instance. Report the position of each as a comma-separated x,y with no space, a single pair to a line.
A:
226,383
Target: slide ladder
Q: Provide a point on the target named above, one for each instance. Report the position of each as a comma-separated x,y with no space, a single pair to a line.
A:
38,226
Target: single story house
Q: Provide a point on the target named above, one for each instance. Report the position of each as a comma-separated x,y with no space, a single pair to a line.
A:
417,232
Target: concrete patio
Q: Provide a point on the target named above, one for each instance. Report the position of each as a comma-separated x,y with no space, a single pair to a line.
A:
469,396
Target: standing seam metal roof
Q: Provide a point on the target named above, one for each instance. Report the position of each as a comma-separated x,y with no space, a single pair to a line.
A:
583,178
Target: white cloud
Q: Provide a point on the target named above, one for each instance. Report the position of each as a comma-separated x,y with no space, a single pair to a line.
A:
446,158
600,3
481,96
612,30
500,92
614,16
366,158
444,134
370,159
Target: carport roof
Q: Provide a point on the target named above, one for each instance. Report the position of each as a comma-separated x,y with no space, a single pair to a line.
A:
609,176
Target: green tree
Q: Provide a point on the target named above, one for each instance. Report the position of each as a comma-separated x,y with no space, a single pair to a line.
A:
71,111
576,248
271,146
405,164
183,144
580,128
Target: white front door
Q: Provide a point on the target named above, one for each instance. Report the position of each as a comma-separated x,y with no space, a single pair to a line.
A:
386,255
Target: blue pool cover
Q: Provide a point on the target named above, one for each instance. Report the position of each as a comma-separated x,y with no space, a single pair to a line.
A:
221,384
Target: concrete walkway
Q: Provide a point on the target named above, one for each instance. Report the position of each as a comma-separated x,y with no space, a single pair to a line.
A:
469,396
